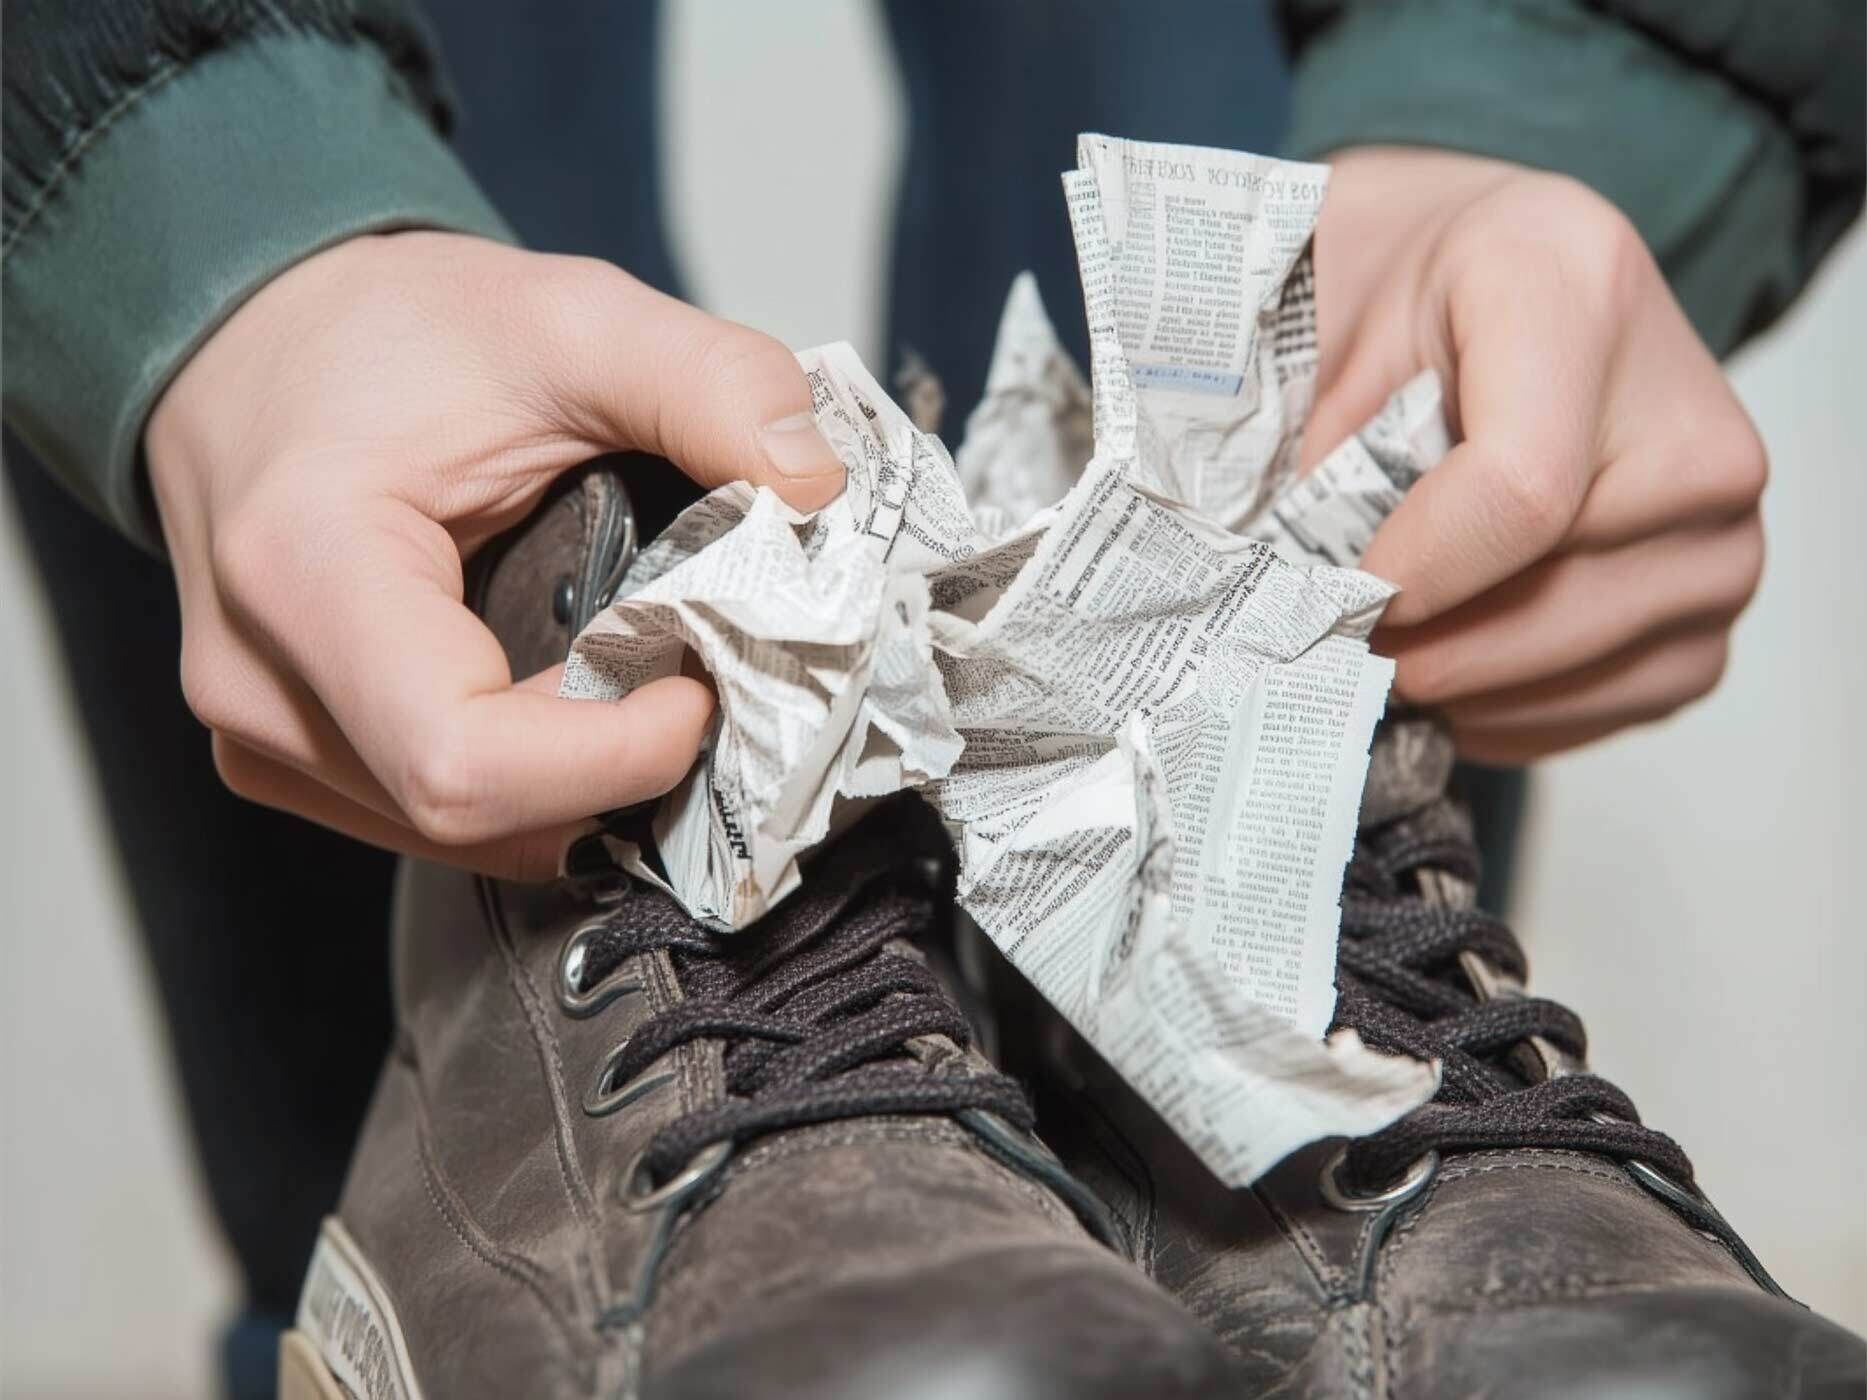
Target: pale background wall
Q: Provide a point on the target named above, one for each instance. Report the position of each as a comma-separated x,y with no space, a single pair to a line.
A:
1690,889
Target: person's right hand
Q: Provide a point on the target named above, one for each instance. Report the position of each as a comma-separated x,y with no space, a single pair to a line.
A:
325,462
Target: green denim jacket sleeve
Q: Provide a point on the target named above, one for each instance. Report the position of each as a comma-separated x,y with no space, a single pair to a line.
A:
194,190
1731,132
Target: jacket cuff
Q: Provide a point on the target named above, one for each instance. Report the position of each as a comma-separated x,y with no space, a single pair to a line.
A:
1705,174
201,188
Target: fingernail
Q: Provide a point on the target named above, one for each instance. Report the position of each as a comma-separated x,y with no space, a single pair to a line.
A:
796,449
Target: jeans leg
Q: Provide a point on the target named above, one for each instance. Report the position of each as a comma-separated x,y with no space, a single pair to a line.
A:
559,107
1496,797
996,94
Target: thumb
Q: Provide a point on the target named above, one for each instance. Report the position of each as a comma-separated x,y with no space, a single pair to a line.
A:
722,401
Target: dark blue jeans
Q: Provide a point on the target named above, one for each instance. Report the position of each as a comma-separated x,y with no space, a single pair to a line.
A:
265,934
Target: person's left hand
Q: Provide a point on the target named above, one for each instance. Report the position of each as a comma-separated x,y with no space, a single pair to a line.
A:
1576,563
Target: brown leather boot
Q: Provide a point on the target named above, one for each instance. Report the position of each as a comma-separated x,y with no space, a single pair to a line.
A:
613,1155
1521,1236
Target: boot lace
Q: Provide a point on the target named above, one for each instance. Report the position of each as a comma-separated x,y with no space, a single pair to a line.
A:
820,1008
1403,988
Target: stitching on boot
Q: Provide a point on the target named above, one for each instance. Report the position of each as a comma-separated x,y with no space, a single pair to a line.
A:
441,1196
1393,1348
1397,1239
1356,1350
1569,1288
672,1288
515,1267
771,1150
699,1066
905,1130
1577,1166
1332,1281
1396,1327
790,1147
591,1264
1582,1166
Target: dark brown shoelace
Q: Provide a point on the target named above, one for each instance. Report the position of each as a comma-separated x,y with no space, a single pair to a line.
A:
1402,988
815,1004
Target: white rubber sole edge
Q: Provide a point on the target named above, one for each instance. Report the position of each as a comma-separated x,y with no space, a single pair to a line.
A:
346,1341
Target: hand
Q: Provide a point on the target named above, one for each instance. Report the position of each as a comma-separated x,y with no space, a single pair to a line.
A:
325,462
1575,565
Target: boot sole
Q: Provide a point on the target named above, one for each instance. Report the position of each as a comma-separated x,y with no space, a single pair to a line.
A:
346,1343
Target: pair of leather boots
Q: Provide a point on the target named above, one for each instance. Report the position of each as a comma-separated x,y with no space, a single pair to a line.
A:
613,1156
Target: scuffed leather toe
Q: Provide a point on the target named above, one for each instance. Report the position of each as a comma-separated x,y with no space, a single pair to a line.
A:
1696,1344
1019,1324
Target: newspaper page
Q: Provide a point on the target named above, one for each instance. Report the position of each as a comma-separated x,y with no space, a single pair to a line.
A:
1146,729
1201,300
1032,434
1328,515
815,631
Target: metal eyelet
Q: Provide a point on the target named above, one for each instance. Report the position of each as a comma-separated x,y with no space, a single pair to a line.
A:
577,1000
1423,1170
1697,1211
1648,1175
626,552
609,889
700,1169
603,1099
591,868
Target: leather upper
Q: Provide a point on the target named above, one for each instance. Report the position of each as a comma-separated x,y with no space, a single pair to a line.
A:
1509,1273
503,1219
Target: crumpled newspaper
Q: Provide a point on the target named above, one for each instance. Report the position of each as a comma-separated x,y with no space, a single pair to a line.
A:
1120,646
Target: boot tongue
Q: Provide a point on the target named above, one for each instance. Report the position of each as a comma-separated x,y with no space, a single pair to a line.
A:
1409,766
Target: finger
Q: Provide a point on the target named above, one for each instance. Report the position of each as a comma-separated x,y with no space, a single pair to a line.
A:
422,690
545,682
1529,382
533,855
720,400
1515,748
234,685
1642,682
1576,609
1680,448
1710,476
244,698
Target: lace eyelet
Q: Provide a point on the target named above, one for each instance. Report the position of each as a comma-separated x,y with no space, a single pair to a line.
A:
590,867
1417,1176
1645,1173
700,1169
602,1099
611,890
572,995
